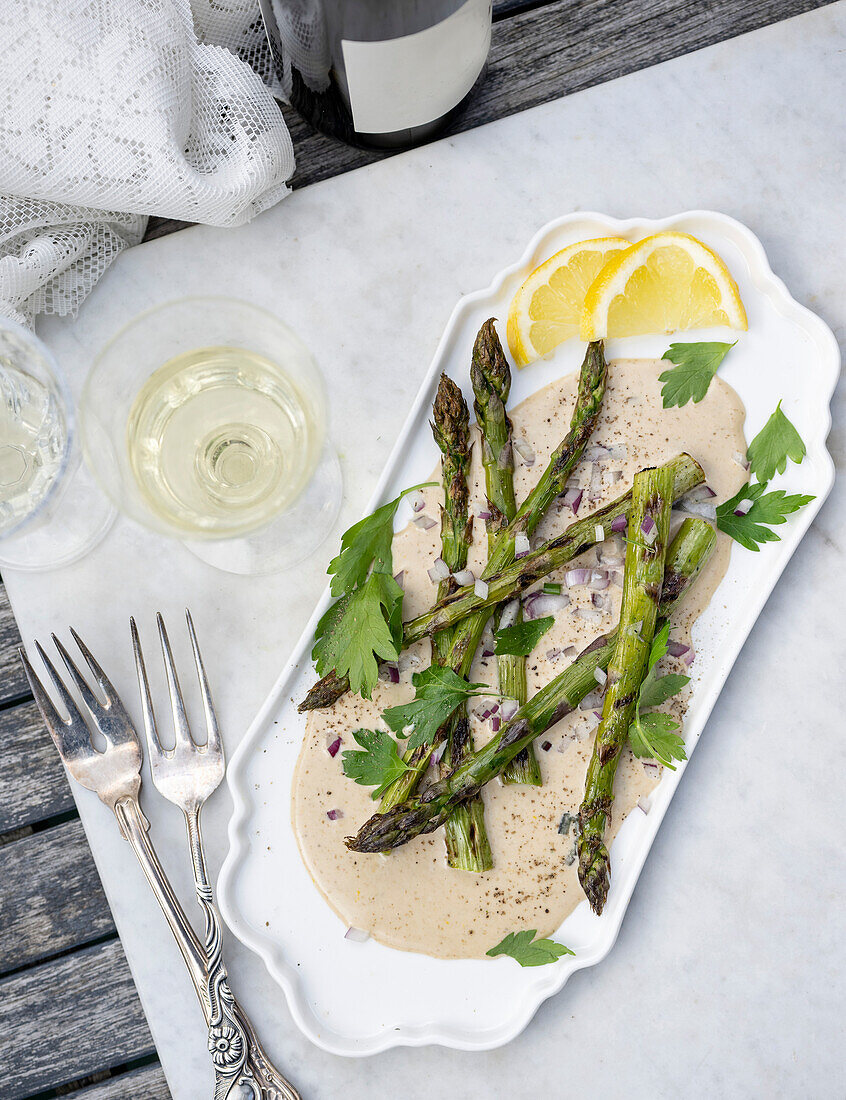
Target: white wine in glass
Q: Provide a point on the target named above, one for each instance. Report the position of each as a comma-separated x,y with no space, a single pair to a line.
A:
51,513
205,419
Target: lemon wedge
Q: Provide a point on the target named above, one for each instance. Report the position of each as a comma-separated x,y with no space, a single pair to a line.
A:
668,282
547,309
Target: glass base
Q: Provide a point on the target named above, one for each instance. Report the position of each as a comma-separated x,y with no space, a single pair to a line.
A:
290,538
72,524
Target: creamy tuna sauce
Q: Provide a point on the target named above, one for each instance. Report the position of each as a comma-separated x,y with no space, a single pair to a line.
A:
410,899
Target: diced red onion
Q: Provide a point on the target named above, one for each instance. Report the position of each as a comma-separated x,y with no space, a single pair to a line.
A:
618,451
356,935
618,524
600,675
464,576
575,577
495,723
644,804
521,545
616,475
484,515
439,571
601,602
611,554
741,459
425,523
509,614
524,450
573,497
649,530
494,708
435,758
676,649
595,452
333,746
689,657
597,714
393,674
743,506
598,580
652,770
400,577
700,493
570,651
595,486
418,501
540,604
334,815
508,708
592,701
703,508
546,746
487,653
481,589
589,615
504,459
553,654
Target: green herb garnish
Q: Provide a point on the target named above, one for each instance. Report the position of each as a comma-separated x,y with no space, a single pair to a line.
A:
378,764
769,451
528,951
653,734
768,510
439,691
696,365
519,639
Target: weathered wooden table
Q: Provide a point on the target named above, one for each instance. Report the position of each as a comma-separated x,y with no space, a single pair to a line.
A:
60,958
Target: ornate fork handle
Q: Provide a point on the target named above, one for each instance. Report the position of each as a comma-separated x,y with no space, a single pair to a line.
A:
238,1057
239,1060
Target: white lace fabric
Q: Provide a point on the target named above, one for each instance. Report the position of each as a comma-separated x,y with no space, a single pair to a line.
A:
113,110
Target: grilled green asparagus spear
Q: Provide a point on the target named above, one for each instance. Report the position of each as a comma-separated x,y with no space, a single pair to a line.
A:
491,378
552,483
426,812
465,834
648,533
523,573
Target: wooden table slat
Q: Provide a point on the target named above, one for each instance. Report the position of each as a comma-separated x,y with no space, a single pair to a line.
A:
51,900
69,1018
146,1083
12,680
33,785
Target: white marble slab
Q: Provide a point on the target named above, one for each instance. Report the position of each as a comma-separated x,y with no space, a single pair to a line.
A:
727,979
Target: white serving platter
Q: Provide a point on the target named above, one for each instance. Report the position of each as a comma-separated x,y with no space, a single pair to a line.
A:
356,999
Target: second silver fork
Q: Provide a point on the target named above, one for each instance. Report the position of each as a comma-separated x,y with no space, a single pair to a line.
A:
187,775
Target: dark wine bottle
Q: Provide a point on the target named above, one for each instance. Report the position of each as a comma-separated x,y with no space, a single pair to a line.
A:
380,73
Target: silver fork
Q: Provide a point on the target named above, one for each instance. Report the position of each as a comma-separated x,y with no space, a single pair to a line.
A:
187,775
115,776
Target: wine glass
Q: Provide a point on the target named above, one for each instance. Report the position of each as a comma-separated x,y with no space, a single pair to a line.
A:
51,513
205,419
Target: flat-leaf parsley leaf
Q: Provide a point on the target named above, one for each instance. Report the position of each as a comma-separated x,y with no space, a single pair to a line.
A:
696,365
439,691
528,951
359,628
378,764
777,441
654,734
768,510
519,639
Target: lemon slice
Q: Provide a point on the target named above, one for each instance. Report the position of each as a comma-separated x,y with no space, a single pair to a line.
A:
665,283
547,308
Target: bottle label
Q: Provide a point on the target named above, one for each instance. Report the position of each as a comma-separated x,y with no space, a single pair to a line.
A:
413,80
